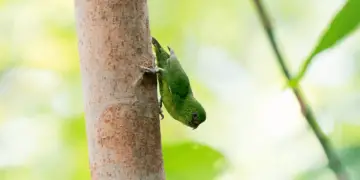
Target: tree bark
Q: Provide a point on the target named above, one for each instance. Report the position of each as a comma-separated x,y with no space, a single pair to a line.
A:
122,116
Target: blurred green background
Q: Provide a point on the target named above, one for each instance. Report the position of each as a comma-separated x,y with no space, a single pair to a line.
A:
254,129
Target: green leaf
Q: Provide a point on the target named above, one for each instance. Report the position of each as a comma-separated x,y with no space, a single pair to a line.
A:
344,23
192,161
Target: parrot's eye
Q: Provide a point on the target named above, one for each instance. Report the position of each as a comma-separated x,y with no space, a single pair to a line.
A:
194,116
195,119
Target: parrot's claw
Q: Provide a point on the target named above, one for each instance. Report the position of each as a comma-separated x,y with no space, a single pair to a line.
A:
161,112
141,77
160,102
151,70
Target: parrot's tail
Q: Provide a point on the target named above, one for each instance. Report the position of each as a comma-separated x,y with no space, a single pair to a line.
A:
161,54
156,43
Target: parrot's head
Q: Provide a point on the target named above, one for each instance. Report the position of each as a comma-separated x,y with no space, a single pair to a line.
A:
196,116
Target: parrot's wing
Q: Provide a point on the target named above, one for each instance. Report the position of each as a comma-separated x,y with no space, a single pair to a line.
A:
177,79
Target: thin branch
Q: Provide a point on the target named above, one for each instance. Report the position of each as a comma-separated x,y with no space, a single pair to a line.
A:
334,161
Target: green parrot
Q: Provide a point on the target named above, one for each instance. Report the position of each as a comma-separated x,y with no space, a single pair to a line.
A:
175,89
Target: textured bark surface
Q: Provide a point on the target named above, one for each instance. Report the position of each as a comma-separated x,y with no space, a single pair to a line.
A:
122,120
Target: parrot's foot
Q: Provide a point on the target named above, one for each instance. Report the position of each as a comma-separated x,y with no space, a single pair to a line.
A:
160,102
161,112
151,70
145,70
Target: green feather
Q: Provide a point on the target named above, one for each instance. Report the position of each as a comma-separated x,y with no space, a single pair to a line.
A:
175,89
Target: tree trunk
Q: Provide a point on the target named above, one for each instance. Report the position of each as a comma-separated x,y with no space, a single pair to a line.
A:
122,116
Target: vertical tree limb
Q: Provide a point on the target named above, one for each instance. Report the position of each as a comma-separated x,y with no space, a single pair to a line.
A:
122,116
334,161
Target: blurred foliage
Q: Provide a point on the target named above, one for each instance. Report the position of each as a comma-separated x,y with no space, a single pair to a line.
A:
320,173
232,68
350,157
